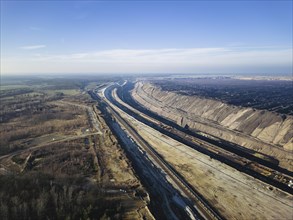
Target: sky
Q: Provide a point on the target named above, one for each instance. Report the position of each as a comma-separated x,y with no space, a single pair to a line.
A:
146,37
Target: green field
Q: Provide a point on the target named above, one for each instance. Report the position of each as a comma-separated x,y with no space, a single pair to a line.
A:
8,87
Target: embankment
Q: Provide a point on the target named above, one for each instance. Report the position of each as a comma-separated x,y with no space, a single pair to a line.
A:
263,131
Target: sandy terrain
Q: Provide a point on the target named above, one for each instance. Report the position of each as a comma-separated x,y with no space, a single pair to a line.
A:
259,130
234,194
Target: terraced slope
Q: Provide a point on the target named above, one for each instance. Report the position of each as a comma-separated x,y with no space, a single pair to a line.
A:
264,131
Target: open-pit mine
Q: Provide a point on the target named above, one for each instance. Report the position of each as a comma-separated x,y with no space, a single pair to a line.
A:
147,148
201,157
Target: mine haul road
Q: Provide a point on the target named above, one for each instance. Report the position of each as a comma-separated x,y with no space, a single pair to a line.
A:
242,162
197,201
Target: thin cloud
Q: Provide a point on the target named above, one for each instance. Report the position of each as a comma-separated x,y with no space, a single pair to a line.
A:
175,60
33,47
191,56
139,55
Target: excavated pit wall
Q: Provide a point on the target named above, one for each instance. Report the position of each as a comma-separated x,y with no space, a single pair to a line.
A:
264,131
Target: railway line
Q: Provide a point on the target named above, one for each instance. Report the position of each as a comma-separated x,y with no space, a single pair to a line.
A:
124,95
197,201
247,165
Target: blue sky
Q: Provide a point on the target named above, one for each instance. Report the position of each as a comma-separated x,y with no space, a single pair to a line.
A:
146,36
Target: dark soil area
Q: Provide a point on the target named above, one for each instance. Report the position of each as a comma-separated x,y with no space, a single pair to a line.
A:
272,95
